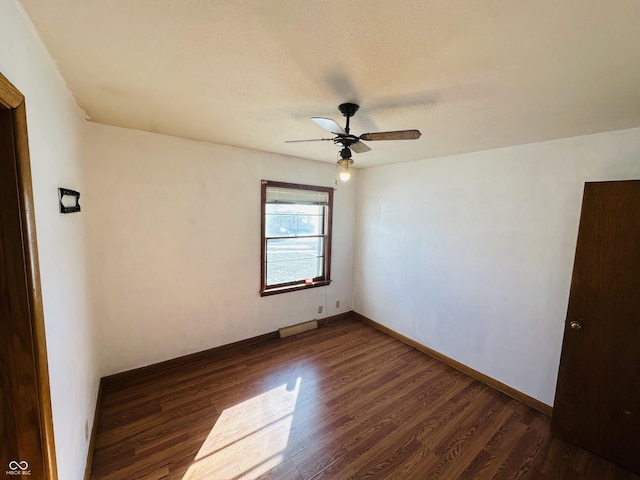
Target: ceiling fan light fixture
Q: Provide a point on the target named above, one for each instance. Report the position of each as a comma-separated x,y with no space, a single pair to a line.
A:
344,164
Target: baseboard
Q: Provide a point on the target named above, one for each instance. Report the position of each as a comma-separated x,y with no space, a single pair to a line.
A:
94,431
229,349
334,318
157,368
493,383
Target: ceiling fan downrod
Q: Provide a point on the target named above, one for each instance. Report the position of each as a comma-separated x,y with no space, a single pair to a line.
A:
348,110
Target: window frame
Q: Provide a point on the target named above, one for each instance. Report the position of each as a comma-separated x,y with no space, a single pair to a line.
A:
320,281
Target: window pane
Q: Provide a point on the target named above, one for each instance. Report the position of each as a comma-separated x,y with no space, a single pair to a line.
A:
293,259
291,220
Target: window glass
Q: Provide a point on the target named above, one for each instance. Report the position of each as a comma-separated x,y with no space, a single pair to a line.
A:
293,259
287,220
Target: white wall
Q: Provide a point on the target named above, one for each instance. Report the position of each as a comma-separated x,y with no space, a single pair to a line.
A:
55,128
472,255
175,245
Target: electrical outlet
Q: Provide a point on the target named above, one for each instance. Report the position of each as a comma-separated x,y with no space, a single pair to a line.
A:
320,307
86,430
337,303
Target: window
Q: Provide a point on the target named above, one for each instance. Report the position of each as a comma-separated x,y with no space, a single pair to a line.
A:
296,237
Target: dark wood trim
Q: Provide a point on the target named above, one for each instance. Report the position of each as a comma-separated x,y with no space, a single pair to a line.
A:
13,100
10,97
501,387
329,232
297,186
221,351
292,288
322,281
345,401
94,432
263,242
323,322
155,368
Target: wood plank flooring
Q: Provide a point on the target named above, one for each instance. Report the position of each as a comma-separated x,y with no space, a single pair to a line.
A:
342,402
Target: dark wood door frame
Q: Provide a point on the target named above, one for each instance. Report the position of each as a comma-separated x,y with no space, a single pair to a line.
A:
22,312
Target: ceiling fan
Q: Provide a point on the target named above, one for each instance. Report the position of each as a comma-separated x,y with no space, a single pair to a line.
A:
349,142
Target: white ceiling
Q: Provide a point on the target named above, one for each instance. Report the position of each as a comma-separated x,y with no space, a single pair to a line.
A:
471,75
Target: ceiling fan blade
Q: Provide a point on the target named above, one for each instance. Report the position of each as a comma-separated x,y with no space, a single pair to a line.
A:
329,124
310,140
397,135
359,147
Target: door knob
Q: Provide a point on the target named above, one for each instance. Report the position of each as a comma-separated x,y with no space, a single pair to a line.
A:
575,325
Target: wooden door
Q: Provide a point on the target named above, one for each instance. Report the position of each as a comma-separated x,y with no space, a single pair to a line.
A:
597,404
27,447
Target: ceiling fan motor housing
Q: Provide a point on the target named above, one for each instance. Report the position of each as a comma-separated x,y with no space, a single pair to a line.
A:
346,140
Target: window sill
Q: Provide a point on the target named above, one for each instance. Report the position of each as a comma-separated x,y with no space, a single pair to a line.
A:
293,288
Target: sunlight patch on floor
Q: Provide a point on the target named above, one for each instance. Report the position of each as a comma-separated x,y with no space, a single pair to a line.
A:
249,438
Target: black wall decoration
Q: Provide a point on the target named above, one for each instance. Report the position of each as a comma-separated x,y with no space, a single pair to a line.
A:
70,193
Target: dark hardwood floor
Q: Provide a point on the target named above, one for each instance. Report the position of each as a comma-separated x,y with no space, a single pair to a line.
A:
344,401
